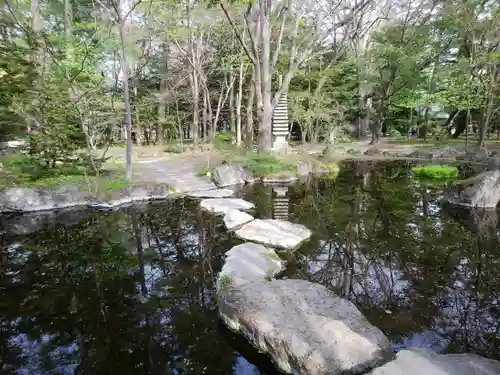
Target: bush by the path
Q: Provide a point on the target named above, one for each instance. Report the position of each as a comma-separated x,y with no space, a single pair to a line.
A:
265,165
436,172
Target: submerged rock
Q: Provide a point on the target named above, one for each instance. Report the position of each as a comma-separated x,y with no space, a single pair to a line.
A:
303,326
482,190
426,362
427,339
248,263
235,218
223,205
230,174
216,193
275,233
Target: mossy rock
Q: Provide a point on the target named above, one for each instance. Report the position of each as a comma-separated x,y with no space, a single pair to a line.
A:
436,172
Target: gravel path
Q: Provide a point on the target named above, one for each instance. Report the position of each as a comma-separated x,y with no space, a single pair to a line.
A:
180,172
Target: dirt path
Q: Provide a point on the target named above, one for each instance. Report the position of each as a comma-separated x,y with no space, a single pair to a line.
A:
179,171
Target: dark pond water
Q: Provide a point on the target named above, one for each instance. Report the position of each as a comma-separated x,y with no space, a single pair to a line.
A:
132,292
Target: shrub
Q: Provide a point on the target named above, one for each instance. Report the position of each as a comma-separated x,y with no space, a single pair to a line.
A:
265,165
435,172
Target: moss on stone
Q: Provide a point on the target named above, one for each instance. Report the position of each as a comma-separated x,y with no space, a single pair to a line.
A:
225,282
435,172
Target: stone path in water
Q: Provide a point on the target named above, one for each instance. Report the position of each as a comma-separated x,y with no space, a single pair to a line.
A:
301,325
181,174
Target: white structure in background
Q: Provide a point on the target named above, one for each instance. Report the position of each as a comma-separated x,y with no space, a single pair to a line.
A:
280,203
280,124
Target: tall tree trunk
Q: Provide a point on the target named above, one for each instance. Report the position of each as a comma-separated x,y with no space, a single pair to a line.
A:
162,102
126,99
205,116
249,115
35,118
265,112
232,120
239,96
195,90
161,115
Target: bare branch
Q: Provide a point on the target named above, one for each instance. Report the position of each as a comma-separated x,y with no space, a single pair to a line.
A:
235,29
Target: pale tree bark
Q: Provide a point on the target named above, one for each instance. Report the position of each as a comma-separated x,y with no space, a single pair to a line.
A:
195,91
249,114
258,23
120,20
223,96
232,120
360,35
239,96
161,108
126,99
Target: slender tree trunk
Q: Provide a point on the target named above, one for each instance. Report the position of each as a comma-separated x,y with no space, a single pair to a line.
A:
193,78
205,116
35,118
162,103
249,115
239,96
232,120
161,118
126,98
265,112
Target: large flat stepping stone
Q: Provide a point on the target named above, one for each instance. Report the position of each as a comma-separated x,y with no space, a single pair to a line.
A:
223,205
248,263
304,327
235,218
217,193
275,233
427,362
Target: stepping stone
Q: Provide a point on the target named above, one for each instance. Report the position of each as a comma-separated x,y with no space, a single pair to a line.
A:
426,362
235,218
248,263
217,193
279,180
275,233
221,205
303,326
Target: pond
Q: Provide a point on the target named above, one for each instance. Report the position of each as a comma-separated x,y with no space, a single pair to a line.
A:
133,291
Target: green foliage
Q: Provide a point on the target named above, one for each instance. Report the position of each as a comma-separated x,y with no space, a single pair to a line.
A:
17,77
225,282
22,171
436,172
205,171
267,165
173,148
224,140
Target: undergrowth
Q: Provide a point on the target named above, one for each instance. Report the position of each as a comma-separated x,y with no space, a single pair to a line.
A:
435,172
19,171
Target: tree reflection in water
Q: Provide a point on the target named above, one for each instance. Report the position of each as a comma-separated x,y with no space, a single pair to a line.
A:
382,240
116,293
132,291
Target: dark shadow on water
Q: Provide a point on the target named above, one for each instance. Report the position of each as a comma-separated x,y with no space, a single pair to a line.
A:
133,291
382,239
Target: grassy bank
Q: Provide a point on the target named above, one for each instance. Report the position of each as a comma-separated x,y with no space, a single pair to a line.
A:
18,171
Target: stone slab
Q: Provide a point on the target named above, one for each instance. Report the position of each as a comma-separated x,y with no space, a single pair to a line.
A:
248,263
234,219
219,206
426,362
304,327
216,193
275,233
